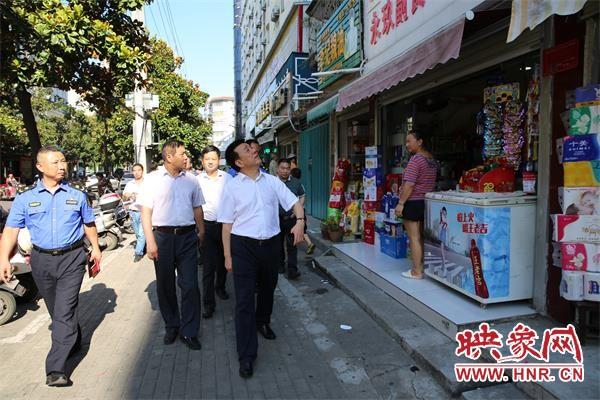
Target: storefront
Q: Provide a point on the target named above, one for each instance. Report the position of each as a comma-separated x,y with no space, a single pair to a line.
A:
508,133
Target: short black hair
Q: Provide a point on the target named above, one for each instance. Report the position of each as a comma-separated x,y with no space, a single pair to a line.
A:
296,173
209,149
250,141
47,149
231,156
137,165
170,147
283,160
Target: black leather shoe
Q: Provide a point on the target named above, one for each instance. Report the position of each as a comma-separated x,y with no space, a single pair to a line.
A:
246,370
222,293
57,379
206,314
191,342
293,275
170,336
266,331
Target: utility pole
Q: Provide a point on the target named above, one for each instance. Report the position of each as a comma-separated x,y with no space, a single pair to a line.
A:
141,102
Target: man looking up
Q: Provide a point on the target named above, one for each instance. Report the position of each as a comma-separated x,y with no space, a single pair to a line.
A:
249,213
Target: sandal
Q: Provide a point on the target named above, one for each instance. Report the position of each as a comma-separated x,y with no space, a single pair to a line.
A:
408,274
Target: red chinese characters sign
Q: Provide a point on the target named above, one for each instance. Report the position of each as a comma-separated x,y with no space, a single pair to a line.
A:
392,27
469,225
391,15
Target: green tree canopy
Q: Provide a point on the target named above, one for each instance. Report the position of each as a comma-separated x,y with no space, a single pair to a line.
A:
90,46
178,116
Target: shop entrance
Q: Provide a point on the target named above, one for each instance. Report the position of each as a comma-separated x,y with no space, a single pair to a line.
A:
314,163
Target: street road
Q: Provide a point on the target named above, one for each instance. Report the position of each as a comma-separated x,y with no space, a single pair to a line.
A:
123,355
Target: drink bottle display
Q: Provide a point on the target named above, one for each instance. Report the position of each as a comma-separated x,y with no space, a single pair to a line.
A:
481,289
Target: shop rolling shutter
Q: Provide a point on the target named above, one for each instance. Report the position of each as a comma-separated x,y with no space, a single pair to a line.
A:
314,154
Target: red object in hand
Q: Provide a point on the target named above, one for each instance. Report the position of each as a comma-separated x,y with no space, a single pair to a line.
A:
481,289
93,268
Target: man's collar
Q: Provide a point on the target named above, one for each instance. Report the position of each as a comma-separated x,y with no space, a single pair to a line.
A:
244,176
205,175
166,172
41,187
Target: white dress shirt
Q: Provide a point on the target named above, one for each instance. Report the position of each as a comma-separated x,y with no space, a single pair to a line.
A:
212,189
252,206
134,187
171,198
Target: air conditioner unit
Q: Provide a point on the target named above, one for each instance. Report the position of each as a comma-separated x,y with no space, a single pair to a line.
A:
275,14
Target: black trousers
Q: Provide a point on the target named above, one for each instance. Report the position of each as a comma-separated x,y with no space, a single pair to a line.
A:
253,261
213,264
178,253
58,279
289,263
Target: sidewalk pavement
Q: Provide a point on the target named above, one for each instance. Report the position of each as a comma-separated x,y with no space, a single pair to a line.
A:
123,355
436,351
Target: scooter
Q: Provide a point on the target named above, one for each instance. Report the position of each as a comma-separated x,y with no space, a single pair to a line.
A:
113,202
21,286
109,234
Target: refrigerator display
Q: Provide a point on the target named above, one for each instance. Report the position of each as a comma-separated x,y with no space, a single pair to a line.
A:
480,244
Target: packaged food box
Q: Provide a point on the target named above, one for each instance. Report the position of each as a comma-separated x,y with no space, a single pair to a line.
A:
582,173
579,200
584,120
581,148
576,228
580,256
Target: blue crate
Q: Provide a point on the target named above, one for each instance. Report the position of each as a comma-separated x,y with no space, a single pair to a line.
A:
393,246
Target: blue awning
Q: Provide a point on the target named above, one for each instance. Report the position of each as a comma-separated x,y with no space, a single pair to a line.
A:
322,109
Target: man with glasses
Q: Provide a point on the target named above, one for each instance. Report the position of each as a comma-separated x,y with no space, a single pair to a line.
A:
57,215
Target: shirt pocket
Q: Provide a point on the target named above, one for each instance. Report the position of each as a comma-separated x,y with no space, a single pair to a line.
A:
36,214
71,209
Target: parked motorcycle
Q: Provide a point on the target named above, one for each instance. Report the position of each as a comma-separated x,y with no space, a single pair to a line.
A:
22,287
109,233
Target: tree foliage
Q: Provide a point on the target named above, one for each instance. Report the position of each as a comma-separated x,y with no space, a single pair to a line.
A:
90,46
178,116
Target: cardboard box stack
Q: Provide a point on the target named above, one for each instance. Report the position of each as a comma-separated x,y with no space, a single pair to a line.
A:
576,232
373,185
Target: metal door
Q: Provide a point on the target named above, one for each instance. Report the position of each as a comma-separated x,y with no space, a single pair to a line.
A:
314,155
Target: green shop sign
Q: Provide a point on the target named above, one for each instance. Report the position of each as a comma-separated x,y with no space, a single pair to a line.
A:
338,42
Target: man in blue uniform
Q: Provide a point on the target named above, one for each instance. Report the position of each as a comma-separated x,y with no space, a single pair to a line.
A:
57,215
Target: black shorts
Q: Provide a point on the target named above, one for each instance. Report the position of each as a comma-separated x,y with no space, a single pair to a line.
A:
414,210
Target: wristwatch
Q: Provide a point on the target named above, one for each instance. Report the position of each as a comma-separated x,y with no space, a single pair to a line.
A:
303,219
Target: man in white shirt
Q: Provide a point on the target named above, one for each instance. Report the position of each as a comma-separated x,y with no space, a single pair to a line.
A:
212,181
131,192
250,215
173,222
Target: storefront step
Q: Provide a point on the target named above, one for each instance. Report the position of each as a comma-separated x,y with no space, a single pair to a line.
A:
429,347
436,350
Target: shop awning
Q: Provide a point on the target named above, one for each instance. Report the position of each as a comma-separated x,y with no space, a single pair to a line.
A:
438,49
322,109
529,13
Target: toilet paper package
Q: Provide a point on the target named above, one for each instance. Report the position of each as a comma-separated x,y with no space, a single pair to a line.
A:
571,285
591,286
576,228
580,256
581,148
584,120
581,173
579,200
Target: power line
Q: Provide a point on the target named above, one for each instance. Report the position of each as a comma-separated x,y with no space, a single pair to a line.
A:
173,28
160,13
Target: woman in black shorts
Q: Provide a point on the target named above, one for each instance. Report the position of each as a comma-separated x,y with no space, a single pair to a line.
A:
418,179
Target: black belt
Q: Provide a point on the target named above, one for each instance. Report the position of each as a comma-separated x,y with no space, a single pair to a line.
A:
177,230
62,250
207,222
258,242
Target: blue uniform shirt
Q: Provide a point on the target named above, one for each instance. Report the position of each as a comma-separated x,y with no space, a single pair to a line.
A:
53,220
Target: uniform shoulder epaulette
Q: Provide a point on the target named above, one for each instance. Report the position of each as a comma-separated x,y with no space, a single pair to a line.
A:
77,186
23,188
